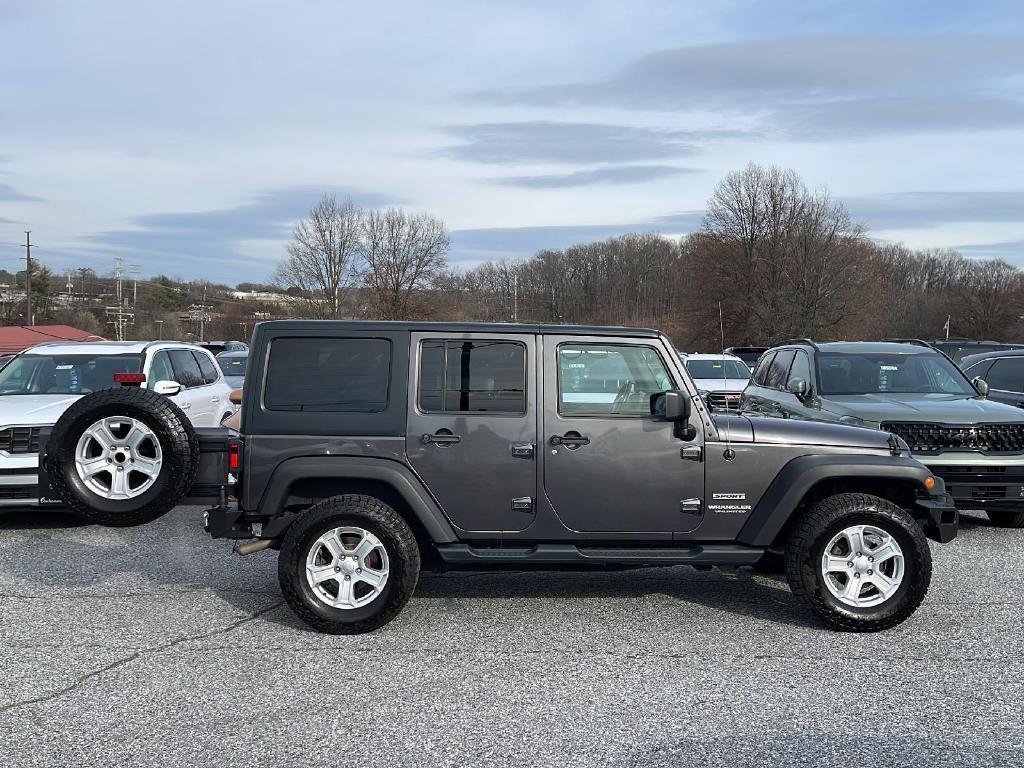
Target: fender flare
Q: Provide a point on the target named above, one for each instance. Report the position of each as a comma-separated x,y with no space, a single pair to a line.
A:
388,471
796,478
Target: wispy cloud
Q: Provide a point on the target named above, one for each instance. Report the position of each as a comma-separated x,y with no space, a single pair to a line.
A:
616,174
542,141
815,88
9,194
928,209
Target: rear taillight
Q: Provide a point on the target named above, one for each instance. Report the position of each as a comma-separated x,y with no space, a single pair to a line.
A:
234,456
129,378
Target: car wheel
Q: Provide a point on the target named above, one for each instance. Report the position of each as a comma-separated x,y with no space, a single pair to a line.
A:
1009,518
861,563
122,457
348,565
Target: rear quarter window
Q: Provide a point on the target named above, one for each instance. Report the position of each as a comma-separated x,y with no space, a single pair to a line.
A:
328,374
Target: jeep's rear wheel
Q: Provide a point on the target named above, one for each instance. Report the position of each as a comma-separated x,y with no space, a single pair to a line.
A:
348,565
1006,518
861,562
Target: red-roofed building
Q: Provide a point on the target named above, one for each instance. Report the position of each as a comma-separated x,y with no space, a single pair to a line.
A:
16,338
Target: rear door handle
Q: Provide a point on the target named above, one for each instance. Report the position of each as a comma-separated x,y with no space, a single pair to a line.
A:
441,438
570,440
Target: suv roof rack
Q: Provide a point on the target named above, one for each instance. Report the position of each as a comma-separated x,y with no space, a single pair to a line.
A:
916,342
805,342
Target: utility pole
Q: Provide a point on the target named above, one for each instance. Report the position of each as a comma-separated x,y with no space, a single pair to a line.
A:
202,315
133,269
515,297
159,329
28,277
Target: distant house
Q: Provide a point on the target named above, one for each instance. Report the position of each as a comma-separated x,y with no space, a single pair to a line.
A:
17,338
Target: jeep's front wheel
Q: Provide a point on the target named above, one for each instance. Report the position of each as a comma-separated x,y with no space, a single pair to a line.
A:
862,563
348,565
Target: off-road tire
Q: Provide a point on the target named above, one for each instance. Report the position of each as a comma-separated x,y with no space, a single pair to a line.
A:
1006,518
815,529
364,512
179,446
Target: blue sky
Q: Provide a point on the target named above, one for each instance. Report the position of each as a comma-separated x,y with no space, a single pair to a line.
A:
187,137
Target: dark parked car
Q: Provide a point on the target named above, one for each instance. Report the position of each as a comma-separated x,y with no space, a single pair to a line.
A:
1003,372
216,347
958,349
749,355
233,366
915,392
369,450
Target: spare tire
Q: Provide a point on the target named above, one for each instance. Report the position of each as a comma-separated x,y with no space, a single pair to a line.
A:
122,457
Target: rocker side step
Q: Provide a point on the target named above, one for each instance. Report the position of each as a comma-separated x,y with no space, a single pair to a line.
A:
570,554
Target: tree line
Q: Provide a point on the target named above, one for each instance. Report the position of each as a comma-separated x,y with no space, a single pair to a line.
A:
772,260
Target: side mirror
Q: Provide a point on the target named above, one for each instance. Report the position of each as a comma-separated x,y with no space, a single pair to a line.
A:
166,387
672,405
235,397
798,387
980,385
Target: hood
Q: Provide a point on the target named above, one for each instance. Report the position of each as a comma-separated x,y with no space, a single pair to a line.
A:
771,430
33,409
235,382
721,385
937,408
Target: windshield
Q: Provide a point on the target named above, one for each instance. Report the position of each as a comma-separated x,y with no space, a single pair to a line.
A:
717,369
64,374
233,366
864,374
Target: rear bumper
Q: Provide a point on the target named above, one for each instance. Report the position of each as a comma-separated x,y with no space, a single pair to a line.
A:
941,519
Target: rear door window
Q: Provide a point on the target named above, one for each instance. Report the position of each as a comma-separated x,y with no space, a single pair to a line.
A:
206,366
186,369
763,365
1007,374
776,378
472,376
328,374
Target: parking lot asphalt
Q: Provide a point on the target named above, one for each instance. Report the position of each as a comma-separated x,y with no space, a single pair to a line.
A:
158,646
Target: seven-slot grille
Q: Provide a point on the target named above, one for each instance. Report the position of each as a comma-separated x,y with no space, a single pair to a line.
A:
934,438
19,439
724,400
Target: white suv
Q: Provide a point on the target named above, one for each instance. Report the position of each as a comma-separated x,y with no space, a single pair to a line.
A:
720,379
39,384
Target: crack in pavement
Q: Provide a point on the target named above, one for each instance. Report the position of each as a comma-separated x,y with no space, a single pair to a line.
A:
86,677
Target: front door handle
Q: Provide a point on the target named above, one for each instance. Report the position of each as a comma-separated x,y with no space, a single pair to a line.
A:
570,440
441,438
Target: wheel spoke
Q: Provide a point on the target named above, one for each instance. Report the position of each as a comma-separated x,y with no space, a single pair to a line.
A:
137,434
883,552
851,590
334,545
884,584
90,467
836,564
855,536
322,573
119,483
374,578
148,467
345,595
365,547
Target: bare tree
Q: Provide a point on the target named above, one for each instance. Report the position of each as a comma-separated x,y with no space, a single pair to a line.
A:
404,253
325,257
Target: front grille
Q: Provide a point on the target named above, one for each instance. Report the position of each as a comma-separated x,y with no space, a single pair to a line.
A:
19,439
721,401
935,438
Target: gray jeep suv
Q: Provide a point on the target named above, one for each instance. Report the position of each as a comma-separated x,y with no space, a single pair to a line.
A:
911,390
368,450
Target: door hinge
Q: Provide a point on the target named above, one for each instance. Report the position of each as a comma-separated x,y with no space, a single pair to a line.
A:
522,504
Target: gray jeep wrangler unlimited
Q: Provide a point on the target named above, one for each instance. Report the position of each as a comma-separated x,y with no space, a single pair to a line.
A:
368,450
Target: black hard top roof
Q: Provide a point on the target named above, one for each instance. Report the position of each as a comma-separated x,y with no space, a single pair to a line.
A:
299,326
